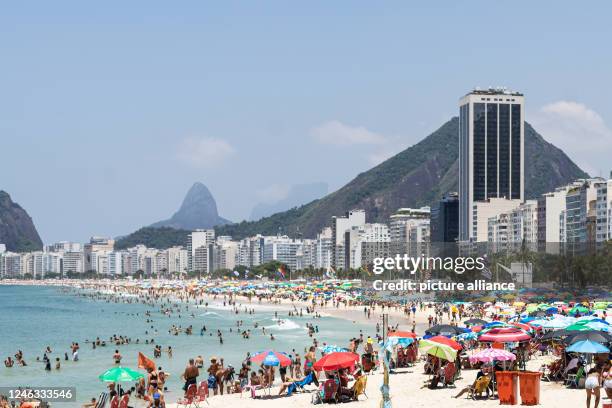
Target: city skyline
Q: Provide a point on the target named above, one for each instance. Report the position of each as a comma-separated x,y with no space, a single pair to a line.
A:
102,139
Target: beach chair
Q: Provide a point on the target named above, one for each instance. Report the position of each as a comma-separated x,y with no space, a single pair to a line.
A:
202,394
480,386
359,387
450,374
189,398
299,385
114,402
252,389
124,401
330,391
101,402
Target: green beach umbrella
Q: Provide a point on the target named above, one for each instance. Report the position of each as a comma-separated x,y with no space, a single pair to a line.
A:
578,327
579,309
438,350
120,374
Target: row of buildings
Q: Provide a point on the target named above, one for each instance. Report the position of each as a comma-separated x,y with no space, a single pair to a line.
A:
349,242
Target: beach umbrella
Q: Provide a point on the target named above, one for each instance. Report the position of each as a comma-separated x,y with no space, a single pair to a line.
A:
120,374
336,361
402,334
271,358
578,327
438,350
492,354
332,349
446,341
467,336
596,336
475,322
588,347
505,335
445,330
579,309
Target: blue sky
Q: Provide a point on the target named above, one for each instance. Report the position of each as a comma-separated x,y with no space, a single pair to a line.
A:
110,111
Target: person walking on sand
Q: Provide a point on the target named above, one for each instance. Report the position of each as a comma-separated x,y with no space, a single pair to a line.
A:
190,375
592,386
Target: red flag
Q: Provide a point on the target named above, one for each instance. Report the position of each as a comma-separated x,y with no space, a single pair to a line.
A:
145,362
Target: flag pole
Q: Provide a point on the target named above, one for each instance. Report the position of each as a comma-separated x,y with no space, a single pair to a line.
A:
385,401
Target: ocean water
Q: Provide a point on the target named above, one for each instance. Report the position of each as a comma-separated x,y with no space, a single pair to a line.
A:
34,317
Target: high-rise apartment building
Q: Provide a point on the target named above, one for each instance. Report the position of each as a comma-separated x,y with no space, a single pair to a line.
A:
491,156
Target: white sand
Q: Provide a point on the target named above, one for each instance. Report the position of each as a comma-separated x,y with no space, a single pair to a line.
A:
406,391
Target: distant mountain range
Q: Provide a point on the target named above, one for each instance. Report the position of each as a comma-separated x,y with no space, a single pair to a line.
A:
417,176
298,194
199,210
17,231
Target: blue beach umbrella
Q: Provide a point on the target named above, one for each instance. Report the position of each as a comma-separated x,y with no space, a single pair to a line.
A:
332,348
588,347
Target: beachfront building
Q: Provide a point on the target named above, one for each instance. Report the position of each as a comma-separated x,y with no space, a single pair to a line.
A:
115,263
199,250
306,255
604,210
551,223
340,226
177,259
367,242
324,249
10,265
283,249
96,244
64,246
491,158
73,262
99,262
410,231
250,251
225,253
580,212
514,229
484,210
444,225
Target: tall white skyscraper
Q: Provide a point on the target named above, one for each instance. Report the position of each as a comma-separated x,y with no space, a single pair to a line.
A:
491,156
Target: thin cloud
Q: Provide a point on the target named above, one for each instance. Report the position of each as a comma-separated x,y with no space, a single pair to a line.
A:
204,152
337,133
580,131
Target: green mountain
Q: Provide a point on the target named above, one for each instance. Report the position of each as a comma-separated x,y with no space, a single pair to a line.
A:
17,231
152,237
417,176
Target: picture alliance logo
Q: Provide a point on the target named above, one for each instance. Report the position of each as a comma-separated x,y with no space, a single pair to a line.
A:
459,265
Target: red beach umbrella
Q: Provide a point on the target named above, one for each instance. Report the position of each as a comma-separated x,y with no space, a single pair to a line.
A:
505,335
402,334
447,341
336,361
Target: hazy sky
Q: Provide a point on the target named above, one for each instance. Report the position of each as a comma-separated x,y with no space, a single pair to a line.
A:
109,111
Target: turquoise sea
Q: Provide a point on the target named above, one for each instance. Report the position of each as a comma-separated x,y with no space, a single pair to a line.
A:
34,317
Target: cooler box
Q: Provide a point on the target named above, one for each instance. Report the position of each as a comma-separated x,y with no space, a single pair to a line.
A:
530,387
507,387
